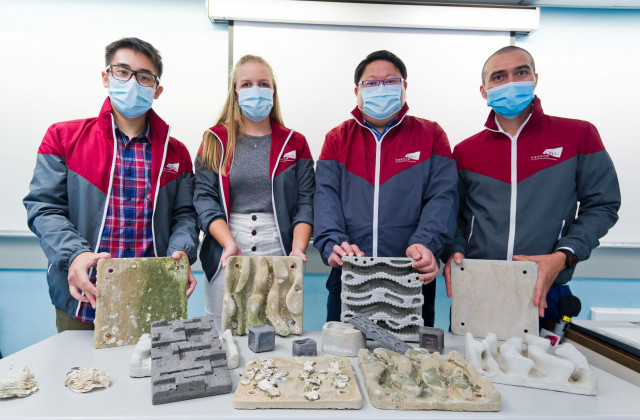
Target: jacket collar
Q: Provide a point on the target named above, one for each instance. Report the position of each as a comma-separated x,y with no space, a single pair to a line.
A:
536,116
357,114
158,128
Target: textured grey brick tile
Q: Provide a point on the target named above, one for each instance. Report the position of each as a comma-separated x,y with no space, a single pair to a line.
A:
379,334
187,361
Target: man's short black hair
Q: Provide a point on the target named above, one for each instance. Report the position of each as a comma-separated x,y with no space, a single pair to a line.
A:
136,45
380,55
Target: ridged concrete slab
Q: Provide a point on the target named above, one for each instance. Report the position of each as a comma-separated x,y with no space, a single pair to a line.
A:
387,291
187,361
134,292
263,290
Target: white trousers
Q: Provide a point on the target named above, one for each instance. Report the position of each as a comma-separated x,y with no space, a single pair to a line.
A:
256,235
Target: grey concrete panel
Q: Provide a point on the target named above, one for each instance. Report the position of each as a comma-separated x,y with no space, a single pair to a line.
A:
187,361
387,291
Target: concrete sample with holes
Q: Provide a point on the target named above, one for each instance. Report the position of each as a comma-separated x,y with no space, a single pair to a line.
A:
134,292
304,347
378,334
418,380
319,382
385,290
261,338
342,339
493,296
432,339
187,361
263,290
532,363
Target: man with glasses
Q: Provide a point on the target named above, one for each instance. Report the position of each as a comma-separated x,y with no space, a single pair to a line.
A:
113,186
385,183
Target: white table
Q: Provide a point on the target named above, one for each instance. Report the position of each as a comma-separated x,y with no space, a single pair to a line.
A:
130,398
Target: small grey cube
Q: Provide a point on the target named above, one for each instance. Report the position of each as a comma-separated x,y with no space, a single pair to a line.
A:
304,347
432,339
262,338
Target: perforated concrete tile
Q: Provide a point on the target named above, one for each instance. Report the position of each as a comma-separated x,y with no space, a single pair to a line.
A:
387,291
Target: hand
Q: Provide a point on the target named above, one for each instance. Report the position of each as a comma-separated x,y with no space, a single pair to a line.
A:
425,262
344,250
297,252
457,257
192,279
549,266
230,251
79,276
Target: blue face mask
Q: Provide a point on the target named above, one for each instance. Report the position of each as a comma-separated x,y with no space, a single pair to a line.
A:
130,98
382,101
510,99
255,102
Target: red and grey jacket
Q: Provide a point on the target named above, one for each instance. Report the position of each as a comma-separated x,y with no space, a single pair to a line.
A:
292,187
68,199
520,195
385,195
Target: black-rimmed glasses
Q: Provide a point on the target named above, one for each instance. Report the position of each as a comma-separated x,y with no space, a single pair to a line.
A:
144,78
386,82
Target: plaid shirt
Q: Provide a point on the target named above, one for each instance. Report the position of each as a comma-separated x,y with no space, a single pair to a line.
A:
127,229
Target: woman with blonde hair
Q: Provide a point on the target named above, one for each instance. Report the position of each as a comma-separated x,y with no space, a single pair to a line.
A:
254,180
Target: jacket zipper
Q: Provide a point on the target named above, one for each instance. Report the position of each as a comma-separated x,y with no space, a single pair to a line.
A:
273,201
224,202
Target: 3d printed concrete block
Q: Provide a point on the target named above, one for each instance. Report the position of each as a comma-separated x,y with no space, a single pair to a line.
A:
378,334
418,380
385,290
304,347
432,339
531,365
493,296
134,292
261,338
187,361
342,339
298,382
20,384
263,290
140,363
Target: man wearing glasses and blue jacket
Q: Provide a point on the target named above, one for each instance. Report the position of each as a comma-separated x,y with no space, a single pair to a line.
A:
117,185
385,183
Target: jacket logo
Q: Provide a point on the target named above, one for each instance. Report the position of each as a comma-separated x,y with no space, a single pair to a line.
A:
409,157
288,157
549,154
172,167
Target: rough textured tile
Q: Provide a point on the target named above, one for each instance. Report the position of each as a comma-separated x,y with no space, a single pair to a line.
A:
432,339
263,290
187,361
342,339
418,380
261,338
493,296
134,292
304,347
378,334
385,290
298,382
532,364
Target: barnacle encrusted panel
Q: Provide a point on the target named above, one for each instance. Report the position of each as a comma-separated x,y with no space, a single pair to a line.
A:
385,290
263,290
418,380
307,382
134,292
